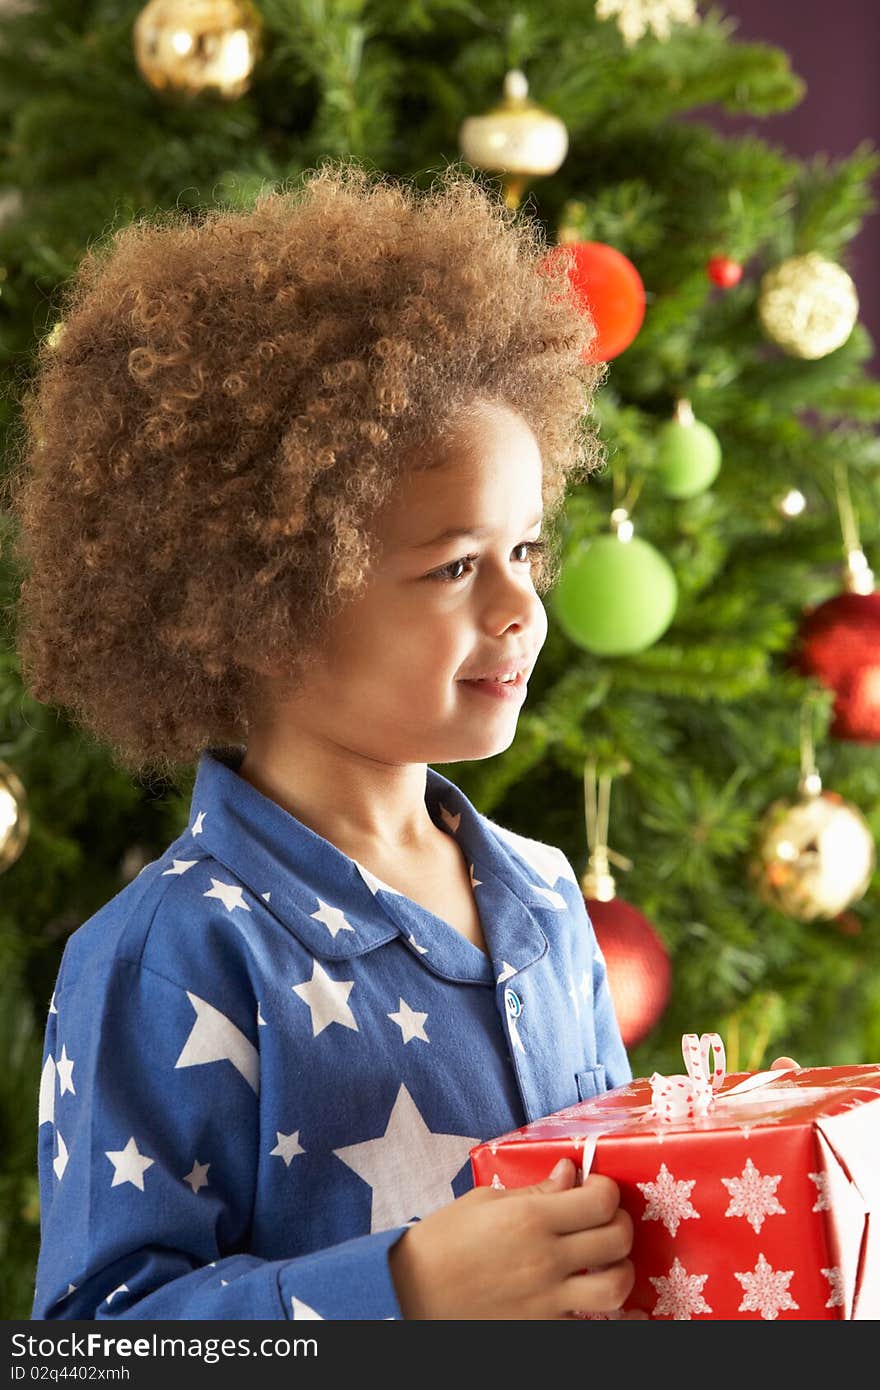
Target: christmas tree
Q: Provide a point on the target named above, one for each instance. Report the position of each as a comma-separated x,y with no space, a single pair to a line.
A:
729,666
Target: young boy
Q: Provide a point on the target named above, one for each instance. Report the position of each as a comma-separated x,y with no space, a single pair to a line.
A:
281,510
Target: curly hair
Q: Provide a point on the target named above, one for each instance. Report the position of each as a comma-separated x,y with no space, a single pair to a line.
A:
228,399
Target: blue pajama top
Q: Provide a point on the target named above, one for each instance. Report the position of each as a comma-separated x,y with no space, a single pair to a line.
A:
262,1063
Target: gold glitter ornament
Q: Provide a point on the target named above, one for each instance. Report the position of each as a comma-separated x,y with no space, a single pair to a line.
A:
185,48
808,305
517,138
815,856
635,17
14,817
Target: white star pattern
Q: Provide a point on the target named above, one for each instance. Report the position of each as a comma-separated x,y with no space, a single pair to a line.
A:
409,1168
453,821
680,1295
129,1165
197,1177
326,999
410,1023
180,866
475,882
64,1067
835,1279
766,1289
373,883
572,994
553,898
197,827
59,1162
753,1196
228,893
506,972
46,1104
822,1200
547,860
120,1288
422,950
301,1310
288,1146
215,1038
52,1008
497,1183
668,1200
333,918
261,1022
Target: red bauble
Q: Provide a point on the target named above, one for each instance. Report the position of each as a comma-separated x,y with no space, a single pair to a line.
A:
723,271
639,969
611,290
839,643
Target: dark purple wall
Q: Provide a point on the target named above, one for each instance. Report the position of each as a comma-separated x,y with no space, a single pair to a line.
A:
834,45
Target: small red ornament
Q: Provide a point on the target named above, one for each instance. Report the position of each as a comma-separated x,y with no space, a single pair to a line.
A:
723,271
610,289
638,966
839,644
848,924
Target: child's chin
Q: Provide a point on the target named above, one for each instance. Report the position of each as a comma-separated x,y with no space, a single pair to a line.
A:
488,742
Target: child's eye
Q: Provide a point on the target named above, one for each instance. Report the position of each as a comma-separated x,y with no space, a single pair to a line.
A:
532,547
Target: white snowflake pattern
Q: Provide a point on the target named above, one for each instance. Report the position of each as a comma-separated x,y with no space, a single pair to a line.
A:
496,1182
765,1289
680,1295
668,1200
753,1196
835,1279
636,17
822,1200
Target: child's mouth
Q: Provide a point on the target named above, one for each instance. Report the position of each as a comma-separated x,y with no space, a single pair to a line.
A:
499,690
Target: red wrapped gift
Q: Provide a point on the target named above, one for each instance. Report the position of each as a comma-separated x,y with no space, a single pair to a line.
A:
755,1195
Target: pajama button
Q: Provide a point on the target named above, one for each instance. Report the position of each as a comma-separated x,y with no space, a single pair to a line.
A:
513,1003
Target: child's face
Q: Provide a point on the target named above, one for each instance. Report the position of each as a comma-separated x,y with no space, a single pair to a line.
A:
390,679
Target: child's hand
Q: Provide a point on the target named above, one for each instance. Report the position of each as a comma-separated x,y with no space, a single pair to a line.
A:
519,1253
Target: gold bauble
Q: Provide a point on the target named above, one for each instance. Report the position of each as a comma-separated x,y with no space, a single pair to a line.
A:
187,47
14,818
516,138
814,856
808,305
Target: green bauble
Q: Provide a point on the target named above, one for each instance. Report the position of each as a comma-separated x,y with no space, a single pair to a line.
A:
615,597
688,458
